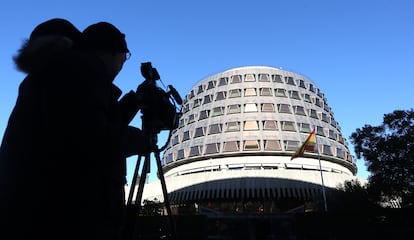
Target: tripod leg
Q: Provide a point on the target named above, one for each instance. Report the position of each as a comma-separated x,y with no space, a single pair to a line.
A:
165,193
142,180
134,181
133,210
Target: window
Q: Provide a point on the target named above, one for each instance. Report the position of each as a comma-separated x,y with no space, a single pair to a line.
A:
251,125
320,94
325,117
290,81
195,151
218,111
249,78
304,127
288,126
325,106
306,97
235,93
197,102
277,78
266,92
312,113
223,81
235,108
268,107
176,140
191,118
200,89
231,146
340,153
302,83
327,150
333,122
272,145
180,154
283,108
204,114
294,95
221,96
181,123
215,128
318,102
186,136
311,88
270,125
169,158
279,92
207,99
233,126
332,134
236,79
186,108
199,132
250,107
319,131
250,92
291,145
299,110
264,77
341,139
211,84
212,148
251,145
191,94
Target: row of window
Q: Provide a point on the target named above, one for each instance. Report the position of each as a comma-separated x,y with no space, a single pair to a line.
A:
252,92
248,145
252,108
265,125
261,77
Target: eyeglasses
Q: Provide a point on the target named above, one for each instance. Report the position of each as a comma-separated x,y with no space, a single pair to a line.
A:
127,55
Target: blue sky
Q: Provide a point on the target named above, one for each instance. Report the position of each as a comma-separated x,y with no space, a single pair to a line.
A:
358,52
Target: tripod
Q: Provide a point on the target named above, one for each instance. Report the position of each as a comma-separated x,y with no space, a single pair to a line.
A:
134,211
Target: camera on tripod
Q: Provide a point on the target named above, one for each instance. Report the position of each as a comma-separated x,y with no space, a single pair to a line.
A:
159,112
157,107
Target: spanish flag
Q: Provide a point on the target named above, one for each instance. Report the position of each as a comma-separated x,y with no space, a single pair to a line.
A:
308,145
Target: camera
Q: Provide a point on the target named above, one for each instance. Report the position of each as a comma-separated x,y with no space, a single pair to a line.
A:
157,107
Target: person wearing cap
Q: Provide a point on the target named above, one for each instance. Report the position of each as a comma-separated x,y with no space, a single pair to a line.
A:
107,48
62,157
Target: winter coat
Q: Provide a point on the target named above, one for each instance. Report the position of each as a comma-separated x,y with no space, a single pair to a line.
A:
62,156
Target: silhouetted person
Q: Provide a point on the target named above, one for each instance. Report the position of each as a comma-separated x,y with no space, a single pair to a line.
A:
62,158
25,172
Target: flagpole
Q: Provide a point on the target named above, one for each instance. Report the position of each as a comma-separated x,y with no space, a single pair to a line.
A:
320,170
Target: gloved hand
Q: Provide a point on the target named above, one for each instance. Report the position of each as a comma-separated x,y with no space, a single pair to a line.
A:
137,142
129,105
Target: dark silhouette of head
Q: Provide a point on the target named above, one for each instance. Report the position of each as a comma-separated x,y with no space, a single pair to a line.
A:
105,37
47,40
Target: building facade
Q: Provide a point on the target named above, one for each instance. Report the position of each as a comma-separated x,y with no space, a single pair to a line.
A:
232,149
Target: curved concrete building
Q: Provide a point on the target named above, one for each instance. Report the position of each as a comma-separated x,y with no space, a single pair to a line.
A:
235,140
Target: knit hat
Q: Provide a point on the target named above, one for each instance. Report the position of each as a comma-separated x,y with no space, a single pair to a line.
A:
56,27
103,36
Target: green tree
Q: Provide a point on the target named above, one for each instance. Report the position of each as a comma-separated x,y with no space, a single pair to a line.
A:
352,196
388,151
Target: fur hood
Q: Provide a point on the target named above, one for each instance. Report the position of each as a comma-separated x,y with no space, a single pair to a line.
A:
36,53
